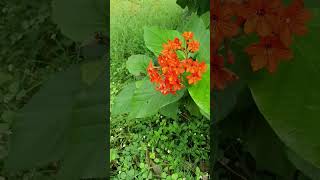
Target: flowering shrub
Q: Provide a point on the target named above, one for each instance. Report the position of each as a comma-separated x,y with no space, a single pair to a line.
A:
176,76
264,54
172,69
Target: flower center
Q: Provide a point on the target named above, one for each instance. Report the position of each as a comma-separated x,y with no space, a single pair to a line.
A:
215,17
261,12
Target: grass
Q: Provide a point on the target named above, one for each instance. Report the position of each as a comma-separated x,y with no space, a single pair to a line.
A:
156,147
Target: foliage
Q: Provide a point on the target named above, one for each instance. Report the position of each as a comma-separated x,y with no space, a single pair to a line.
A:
32,48
199,6
145,100
159,146
64,123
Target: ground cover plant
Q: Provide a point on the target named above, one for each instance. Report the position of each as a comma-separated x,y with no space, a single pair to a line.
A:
156,132
264,109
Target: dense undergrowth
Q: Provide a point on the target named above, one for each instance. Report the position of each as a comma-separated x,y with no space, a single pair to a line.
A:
31,50
158,146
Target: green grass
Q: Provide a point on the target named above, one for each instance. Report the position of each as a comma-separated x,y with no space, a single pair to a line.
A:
158,146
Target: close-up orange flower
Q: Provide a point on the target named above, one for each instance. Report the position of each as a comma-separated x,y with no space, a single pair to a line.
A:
220,75
292,20
268,53
260,16
187,35
222,22
193,46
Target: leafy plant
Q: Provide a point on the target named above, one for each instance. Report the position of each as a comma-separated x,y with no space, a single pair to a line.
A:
142,100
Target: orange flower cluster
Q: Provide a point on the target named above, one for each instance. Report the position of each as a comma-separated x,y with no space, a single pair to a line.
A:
271,20
169,75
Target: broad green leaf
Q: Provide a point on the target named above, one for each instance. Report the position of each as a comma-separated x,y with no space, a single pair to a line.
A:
123,100
90,71
137,64
308,169
64,121
260,138
81,19
257,137
206,19
201,34
170,110
225,100
289,99
147,101
192,107
200,93
154,38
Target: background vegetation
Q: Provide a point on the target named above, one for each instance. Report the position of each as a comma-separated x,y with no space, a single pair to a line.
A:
31,49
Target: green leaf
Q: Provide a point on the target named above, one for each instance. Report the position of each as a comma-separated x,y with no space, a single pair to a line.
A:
154,38
152,155
308,169
206,19
137,64
289,99
123,100
113,154
192,107
170,110
196,25
147,101
196,6
64,121
90,71
261,137
200,93
81,19
226,100
257,136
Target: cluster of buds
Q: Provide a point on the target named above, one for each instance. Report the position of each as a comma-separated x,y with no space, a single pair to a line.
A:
273,22
168,77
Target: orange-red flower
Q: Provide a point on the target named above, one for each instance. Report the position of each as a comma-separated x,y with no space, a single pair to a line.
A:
193,46
168,77
260,16
153,73
187,35
267,53
292,21
222,23
220,75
